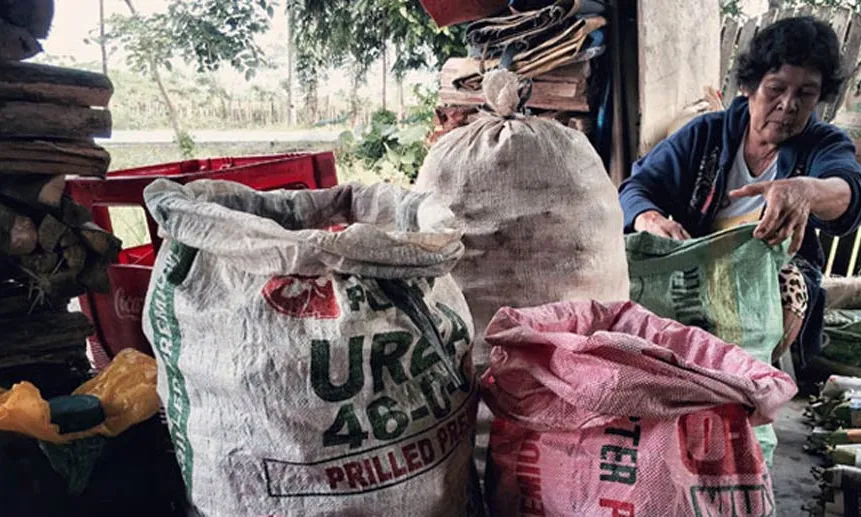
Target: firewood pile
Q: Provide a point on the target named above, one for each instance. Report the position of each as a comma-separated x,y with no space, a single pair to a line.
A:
50,250
555,46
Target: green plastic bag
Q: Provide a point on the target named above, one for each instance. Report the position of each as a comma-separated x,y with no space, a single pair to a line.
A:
725,283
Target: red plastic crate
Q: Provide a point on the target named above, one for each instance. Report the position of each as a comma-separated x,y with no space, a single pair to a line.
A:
117,315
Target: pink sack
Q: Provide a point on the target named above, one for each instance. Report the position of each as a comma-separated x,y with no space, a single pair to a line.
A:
611,410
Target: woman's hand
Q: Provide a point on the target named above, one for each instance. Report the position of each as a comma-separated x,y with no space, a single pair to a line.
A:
787,209
655,223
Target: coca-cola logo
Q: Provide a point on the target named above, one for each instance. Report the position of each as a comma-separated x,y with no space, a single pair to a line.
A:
128,307
302,297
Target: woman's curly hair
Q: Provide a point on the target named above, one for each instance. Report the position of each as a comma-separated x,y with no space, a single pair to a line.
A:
802,41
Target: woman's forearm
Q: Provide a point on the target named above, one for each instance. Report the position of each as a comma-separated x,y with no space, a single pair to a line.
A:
829,198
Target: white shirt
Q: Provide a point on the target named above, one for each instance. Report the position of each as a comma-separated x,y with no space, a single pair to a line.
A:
735,212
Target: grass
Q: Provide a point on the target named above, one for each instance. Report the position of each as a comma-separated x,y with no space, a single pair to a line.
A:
129,222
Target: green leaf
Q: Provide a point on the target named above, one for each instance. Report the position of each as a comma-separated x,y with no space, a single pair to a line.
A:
409,158
412,134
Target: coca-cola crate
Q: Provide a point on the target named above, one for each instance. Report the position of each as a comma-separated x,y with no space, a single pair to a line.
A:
117,315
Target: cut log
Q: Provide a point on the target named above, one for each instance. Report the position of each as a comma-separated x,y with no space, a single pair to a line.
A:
18,235
51,230
44,332
74,215
75,257
46,167
63,284
39,120
69,239
82,154
101,242
42,263
34,189
95,277
23,303
44,83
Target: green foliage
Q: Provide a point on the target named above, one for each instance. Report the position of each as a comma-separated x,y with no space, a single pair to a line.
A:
428,99
206,33
730,8
394,152
334,32
851,4
733,7
186,144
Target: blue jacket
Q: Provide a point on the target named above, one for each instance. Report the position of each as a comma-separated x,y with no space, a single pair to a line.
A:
685,177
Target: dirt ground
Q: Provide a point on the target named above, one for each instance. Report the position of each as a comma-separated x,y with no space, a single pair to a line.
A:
794,486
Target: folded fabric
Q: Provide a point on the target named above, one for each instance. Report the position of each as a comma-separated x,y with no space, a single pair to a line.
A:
497,32
588,6
490,38
561,50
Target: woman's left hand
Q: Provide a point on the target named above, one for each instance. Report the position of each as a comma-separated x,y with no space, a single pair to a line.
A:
787,209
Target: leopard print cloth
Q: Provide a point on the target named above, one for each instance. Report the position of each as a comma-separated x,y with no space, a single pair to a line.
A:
793,290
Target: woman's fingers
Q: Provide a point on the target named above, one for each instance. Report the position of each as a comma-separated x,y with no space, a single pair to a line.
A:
769,224
679,233
797,237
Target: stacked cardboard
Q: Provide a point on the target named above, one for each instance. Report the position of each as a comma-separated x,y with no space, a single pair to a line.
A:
554,46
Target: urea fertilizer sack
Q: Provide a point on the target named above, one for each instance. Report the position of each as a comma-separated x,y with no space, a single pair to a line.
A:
541,218
725,283
609,410
307,372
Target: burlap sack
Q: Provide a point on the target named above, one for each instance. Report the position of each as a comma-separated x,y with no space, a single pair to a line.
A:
541,218
311,372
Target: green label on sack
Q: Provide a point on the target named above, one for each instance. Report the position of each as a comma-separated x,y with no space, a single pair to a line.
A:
168,345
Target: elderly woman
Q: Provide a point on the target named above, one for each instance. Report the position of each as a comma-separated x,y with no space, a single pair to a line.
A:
768,159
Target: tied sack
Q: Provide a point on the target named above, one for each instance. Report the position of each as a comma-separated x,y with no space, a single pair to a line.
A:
541,218
306,371
725,283
611,410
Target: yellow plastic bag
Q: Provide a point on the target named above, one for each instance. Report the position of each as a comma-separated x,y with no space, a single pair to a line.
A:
126,390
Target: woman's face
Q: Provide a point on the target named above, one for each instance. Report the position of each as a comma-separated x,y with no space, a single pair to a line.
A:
782,104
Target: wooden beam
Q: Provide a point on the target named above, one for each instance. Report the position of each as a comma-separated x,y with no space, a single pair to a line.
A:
851,51
39,120
18,235
745,36
52,84
729,38
44,332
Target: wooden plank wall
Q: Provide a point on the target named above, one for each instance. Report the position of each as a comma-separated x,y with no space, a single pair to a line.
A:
841,253
736,37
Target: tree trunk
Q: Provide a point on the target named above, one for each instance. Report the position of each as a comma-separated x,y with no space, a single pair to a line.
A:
102,42
385,71
291,63
399,77
180,135
354,96
775,4
311,100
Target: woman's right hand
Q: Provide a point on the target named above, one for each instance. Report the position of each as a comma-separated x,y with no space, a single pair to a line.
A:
655,223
